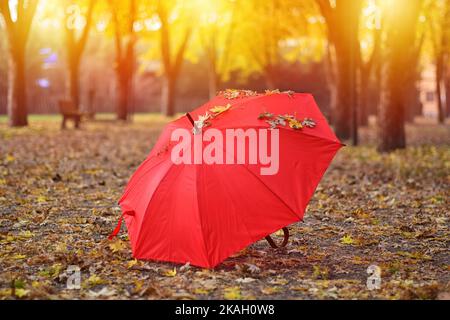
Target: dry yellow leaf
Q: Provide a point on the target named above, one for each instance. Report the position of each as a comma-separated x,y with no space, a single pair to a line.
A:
42,199
170,273
220,109
295,124
117,246
95,280
26,234
347,239
19,256
20,293
233,293
132,263
201,291
9,158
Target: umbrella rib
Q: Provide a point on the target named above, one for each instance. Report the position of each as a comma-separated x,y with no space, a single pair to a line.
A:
200,215
151,198
131,187
314,136
243,223
276,195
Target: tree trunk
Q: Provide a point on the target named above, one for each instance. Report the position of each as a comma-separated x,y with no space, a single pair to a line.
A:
412,100
168,95
440,103
332,88
213,81
399,55
343,22
364,99
17,89
447,93
378,77
392,111
330,74
125,81
343,108
74,84
270,77
122,106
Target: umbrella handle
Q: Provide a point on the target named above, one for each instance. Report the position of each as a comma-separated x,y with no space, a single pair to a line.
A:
285,241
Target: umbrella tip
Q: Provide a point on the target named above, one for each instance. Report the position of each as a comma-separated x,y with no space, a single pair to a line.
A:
188,115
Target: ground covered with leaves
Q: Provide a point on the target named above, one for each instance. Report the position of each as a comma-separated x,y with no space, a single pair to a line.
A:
58,195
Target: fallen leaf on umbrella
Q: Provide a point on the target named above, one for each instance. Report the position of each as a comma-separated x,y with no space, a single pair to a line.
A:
295,124
271,92
265,116
273,124
232,94
310,123
290,93
202,122
220,109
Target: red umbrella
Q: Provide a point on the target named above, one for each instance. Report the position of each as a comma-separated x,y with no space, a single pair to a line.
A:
181,207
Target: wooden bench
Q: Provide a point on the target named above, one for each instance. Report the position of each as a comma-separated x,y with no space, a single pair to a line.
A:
69,112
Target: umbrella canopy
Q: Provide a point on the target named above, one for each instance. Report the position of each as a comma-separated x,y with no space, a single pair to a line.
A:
204,212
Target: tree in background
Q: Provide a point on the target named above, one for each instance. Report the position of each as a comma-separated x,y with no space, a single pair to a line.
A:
369,54
217,32
124,15
438,16
342,18
18,27
172,57
264,38
258,40
401,21
446,28
77,27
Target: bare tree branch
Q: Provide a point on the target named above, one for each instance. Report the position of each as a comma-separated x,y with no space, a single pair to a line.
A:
6,13
165,37
117,34
28,15
181,50
84,36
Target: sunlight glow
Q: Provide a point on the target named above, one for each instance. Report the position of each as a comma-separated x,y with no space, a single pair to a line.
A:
153,23
13,8
373,14
75,19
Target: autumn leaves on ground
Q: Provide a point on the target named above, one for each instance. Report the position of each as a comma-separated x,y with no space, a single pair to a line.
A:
58,195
